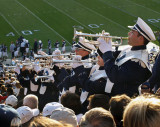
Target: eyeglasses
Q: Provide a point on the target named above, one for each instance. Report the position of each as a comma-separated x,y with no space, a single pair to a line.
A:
78,49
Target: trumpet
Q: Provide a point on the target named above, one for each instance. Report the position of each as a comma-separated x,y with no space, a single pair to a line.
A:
49,56
42,77
8,67
103,34
74,61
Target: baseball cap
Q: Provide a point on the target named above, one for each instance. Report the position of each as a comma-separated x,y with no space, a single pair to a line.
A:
27,113
65,115
11,100
50,107
7,114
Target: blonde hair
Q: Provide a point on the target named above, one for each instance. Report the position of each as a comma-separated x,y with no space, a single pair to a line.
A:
41,121
97,116
143,111
16,122
31,101
18,85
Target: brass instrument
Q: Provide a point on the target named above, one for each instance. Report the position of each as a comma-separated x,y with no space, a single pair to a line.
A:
103,34
42,77
50,56
74,61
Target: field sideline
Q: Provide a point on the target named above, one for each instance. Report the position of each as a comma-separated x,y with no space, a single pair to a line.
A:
55,19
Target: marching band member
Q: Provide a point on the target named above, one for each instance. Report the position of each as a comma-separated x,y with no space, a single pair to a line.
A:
40,45
72,47
56,45
82,52
24,76
27,47
131,68
4,51
63,46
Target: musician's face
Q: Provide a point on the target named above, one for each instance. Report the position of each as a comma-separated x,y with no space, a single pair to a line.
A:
81,52
134,38
100,61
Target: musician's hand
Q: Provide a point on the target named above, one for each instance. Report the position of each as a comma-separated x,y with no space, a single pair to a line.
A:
77,58
105,44
36,68
81,39
51,79
57,52
17,69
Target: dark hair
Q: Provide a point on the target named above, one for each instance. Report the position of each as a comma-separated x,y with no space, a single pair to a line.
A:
117,106
145,40
99,100
10,91
72,101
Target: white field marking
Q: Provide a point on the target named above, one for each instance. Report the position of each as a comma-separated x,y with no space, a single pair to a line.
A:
127,12
9,23
68,15
42,22
144,7
36,30
102,16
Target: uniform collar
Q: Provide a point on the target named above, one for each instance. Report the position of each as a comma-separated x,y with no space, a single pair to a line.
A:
101,68
138,47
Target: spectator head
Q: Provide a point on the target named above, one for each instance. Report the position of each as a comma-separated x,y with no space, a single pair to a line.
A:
10,91
65,115
18,85
50,107
31,101
97,117
11,101
41,121
117,106
71,101
98,100
9,117
143,111
26,113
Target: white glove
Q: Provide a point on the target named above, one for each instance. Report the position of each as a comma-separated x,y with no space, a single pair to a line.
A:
42,53
77,58
81,39
56,52
17,69
105,44
36,68
51,78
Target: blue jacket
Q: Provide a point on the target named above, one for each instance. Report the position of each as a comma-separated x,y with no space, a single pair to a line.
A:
126,77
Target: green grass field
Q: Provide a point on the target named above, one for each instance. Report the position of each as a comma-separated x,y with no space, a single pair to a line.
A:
55,19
